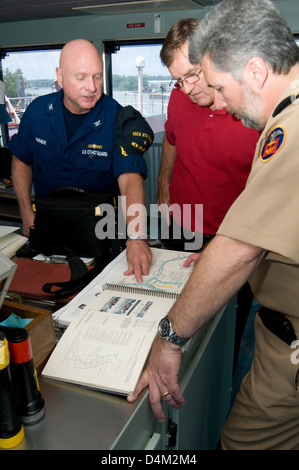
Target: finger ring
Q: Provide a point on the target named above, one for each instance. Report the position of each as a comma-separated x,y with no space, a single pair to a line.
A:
165,394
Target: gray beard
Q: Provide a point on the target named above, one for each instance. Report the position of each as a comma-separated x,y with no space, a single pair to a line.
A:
247,120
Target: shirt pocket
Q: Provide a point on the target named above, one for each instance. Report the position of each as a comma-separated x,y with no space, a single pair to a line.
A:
41,151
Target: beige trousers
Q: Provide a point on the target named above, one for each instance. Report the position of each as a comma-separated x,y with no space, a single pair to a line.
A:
265,414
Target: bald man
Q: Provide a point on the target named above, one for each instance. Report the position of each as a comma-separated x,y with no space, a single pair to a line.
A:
67,139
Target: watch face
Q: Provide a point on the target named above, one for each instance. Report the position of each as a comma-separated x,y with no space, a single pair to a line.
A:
164,327
166,332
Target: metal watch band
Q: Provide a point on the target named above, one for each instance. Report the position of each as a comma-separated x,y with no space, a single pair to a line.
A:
166,332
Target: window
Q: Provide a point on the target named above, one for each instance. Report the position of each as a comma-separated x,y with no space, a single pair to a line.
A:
136,76
134,70
27,73
122,60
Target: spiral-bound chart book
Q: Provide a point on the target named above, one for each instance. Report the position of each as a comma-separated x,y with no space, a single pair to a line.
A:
166,273
107,344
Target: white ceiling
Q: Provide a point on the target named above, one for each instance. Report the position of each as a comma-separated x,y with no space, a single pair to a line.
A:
20,10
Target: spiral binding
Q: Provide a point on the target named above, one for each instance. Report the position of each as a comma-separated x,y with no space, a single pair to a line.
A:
140,290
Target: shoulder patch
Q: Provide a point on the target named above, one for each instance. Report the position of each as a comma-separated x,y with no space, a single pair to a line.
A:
274,142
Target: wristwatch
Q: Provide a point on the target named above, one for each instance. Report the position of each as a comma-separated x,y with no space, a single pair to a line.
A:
166,332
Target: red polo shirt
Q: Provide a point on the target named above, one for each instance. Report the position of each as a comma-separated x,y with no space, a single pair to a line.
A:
214,157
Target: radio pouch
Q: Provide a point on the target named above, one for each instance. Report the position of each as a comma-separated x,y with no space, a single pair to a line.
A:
65,225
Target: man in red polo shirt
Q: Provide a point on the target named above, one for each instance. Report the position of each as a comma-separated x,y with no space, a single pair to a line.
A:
200,161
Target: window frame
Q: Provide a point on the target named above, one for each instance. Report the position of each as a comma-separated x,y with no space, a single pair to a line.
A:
112,47
5,51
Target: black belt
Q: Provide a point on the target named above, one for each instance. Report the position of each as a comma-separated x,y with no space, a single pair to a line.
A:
278,324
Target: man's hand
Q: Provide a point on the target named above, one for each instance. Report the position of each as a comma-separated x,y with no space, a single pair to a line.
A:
192,259
139,257
28,221
161,375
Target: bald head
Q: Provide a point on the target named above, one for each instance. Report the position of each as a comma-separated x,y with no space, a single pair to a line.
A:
80,74
78,50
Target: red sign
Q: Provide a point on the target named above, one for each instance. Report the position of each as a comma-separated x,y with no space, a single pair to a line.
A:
135,25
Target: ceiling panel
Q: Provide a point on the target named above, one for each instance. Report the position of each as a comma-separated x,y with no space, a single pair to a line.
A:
119,7
20,10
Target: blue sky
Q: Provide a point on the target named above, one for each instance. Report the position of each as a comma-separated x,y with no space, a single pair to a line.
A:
42,65
123,63
33,64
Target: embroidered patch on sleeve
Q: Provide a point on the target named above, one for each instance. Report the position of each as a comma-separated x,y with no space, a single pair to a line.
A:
274,142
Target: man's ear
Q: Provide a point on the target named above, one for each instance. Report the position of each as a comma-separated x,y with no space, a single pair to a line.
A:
256,72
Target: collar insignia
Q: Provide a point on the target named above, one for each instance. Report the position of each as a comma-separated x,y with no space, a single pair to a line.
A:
123,152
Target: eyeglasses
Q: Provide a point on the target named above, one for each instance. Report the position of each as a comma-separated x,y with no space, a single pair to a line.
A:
189,80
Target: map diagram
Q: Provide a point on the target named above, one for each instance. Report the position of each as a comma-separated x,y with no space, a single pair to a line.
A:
80,359
166,274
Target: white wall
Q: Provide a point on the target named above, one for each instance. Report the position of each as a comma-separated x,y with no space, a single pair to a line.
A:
94,28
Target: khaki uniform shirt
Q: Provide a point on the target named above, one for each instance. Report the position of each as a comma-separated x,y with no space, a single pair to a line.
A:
266,214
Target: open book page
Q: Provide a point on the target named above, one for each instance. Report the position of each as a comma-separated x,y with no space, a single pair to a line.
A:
108,342
166,273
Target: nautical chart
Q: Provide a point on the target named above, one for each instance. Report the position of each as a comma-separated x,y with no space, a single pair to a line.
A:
167,272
